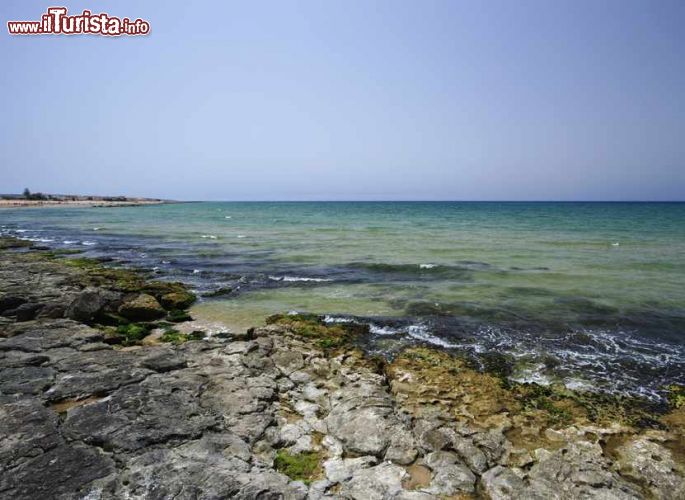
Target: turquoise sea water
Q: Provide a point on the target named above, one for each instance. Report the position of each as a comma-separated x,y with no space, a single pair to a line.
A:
590,294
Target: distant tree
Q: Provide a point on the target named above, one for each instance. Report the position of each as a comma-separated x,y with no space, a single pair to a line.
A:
27,193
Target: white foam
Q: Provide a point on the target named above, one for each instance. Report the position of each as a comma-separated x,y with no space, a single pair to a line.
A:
337,319
532,375
382,330
70,242
420,332
196,271
297,278
209,236
578,385
427,266
88,243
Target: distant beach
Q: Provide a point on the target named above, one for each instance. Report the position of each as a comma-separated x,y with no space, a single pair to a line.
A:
79,202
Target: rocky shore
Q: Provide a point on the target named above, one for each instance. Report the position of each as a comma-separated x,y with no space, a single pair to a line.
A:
108,390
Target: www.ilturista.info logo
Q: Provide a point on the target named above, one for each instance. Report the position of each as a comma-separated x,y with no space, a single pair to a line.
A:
56,22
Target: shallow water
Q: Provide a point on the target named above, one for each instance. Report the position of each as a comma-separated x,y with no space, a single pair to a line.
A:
592,294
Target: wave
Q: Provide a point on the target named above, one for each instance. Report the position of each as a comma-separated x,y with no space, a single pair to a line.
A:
418,332
383,330
297,279
421,332
584,359
423,271
39,240
328,319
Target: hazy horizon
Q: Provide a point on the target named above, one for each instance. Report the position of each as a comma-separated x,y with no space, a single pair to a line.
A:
351,101
353,200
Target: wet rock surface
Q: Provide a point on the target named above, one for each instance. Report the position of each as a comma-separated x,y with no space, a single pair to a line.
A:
274,414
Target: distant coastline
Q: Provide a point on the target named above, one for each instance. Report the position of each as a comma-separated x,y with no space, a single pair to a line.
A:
60,200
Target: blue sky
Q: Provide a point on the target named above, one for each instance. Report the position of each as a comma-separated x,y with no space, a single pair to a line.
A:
482,100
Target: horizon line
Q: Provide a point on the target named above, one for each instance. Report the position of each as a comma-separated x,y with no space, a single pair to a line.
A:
422,201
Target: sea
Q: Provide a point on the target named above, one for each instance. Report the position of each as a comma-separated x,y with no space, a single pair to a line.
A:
590,295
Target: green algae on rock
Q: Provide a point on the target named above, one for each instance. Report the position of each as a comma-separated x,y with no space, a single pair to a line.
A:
313,327
119,301
7,243
177,300
142,307
178,316
304,466
132,333
676,396
173,336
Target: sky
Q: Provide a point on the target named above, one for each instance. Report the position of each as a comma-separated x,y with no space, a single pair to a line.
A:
351,100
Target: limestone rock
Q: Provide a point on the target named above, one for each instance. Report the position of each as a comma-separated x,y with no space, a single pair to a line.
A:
177,300
338,470
402,448
500,483
470,453
143,307
451,479
376,483
362,425
652,464
91,302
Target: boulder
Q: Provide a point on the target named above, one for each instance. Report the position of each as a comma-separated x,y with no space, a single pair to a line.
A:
27,312
144,307
92,302
177,300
